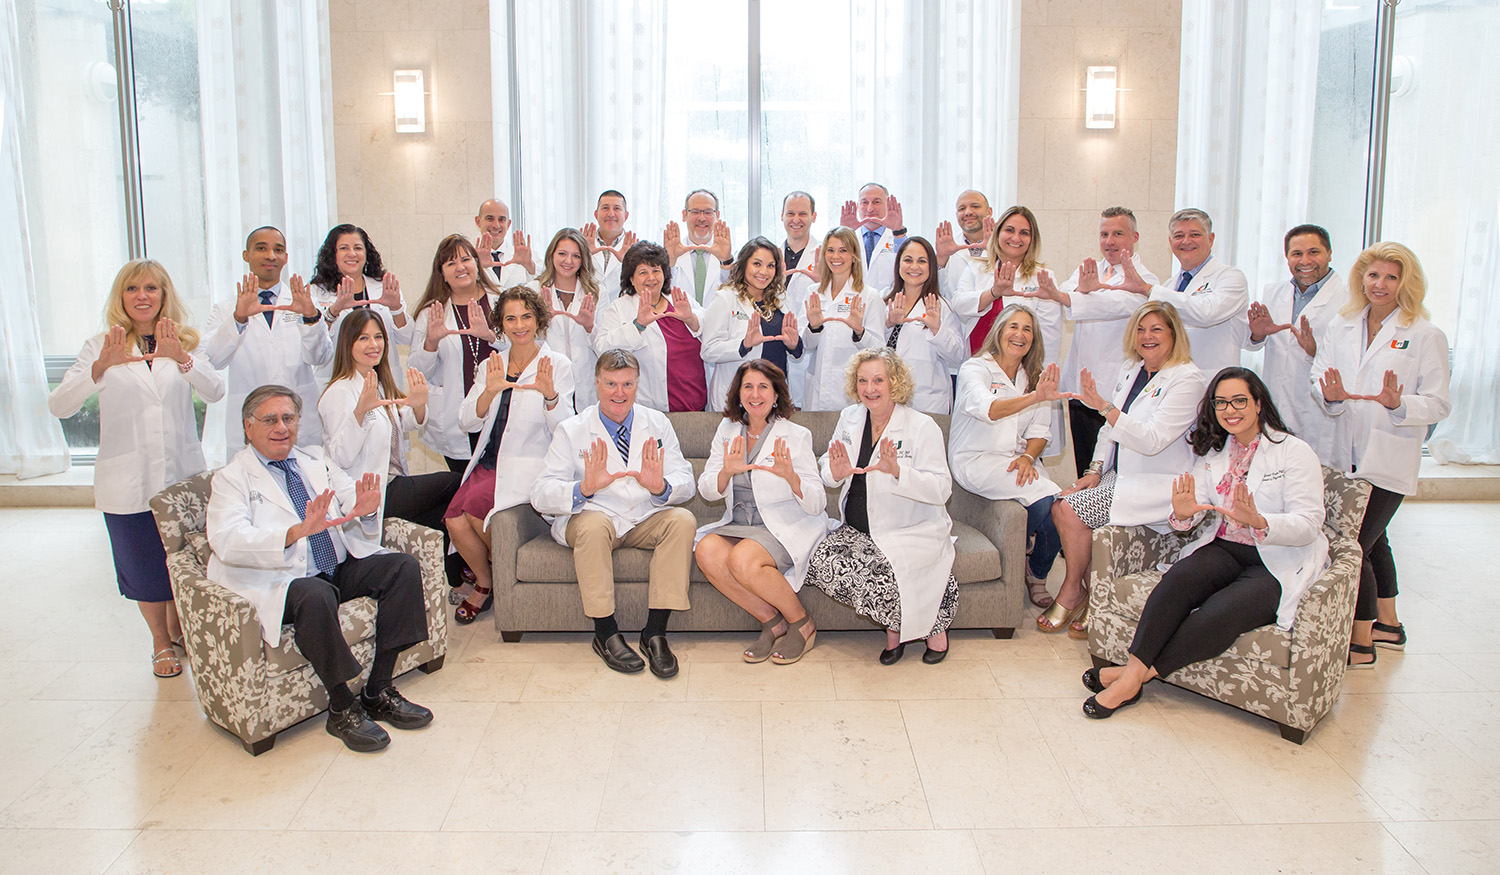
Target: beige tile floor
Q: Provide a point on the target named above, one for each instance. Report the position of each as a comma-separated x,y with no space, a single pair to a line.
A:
541,760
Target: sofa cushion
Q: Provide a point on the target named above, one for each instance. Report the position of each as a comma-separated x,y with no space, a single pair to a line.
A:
1264,644
976,559
356,621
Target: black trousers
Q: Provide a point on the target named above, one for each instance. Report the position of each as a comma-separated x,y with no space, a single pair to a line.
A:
393,580
1084,423
1377,574
1202,604
422,498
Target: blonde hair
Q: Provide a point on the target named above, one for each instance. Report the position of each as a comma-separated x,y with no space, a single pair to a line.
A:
1182,350
1029,263
1032,361
857,269
1410,295
903,387
171,306
586,281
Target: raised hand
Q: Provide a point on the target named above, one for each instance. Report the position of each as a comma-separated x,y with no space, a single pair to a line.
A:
302,302
247,300
586,310
734,457
856,318
1088,391
1261,323
849,215
682,309
944,244
893,218
115,351
627,240
437,328
989,230
369,397
496,379
887,460
1332,384
789,334
933,316
479,323
754,336
390,293
1025,469
895,311
721,248
1132,281
591,234
522,253
839,464
651,476
781,466
671,240
343,295
1046,287
815,317
1304,335
1004,282
1185,499
1088,277
1390,392
1241,508
645,311
416,392
1046,385
543,382
486,249
596,473
366,501
314,520
169,343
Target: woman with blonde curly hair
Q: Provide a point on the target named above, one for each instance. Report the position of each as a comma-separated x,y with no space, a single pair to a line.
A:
1381,374
892,559
144,370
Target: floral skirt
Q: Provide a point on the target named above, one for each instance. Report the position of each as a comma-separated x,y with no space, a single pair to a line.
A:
849,568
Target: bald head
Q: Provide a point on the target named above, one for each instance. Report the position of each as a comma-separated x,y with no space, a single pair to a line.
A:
971,209
493,218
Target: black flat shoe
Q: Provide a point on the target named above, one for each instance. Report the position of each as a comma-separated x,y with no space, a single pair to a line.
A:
933,657
1093,709
659,656
892,656
1361,650
356,730
1397,643
389,706
617,654
1091,681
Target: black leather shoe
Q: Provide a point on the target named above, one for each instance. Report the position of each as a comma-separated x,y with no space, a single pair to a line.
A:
1092,708
617,654
356,730
892,656
659,656
933,657
393,708
1091,681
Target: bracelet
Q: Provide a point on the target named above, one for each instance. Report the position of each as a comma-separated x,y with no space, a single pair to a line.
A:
552,400
313,319
1107,408
900,233
1094,468
328,315
184,367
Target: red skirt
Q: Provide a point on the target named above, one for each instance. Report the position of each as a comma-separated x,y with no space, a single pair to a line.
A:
475,496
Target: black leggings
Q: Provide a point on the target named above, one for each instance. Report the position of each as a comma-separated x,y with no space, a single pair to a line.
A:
1232,593
1084,423
422,499
1377,574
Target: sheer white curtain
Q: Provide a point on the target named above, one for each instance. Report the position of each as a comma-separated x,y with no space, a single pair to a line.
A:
265,81
1471,433
591,75
1245,123
31,439
935,90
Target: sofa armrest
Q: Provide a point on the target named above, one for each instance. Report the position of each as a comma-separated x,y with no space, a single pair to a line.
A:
1002,522
221,634
1325,613
509,529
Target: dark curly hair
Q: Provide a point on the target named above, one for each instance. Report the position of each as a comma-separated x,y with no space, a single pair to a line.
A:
1208,436
533,301
326,273
645,252
734,410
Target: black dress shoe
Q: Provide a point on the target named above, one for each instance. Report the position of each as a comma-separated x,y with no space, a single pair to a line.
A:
617,654
933,657
393,708
356,730
659,656
892,656
1091,681
1092,708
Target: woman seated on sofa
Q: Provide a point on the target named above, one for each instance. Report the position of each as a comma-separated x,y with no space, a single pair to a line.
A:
763,467
1265,487
892,559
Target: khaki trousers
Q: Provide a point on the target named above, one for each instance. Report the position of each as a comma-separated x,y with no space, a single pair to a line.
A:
667,533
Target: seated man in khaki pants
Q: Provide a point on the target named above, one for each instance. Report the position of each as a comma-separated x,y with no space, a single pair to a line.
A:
612,474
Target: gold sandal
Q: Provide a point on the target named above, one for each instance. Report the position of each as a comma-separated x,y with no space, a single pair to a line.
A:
1057,616
1078,630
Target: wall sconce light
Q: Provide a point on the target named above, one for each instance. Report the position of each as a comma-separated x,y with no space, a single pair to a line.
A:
411,102
1099,97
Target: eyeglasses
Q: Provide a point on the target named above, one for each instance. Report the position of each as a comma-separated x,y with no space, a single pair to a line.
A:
697,213
1239,402
286,419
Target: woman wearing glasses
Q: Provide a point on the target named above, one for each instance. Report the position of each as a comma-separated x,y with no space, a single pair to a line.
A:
1264,489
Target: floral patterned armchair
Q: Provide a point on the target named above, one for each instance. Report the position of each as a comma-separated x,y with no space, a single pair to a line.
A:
245,685
1292,678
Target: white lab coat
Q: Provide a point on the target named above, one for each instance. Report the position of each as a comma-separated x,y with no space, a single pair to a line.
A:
362,447
607,274
1099,320
798,523
624,502
880,267
614,328
1148,445
324,297
909,520
715,275
148,433
931,357
248,515
980,449
260,355
528,429
1287,367
511,274
567,339
444,371
724,326
833,346
1214,310
1286,482
796,302
959,264
1380,445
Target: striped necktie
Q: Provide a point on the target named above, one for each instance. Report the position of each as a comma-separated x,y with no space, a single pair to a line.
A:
622,442
324,554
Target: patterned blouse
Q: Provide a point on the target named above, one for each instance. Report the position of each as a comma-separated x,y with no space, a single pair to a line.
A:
1239,466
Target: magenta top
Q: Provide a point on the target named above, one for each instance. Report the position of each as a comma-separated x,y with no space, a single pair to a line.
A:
687,384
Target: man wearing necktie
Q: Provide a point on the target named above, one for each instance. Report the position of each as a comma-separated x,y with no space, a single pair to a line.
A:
876,219
1100,310
511,267
957,253
611,478
296,537
701,261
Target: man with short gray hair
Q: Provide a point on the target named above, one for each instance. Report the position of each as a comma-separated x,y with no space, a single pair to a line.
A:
611,475
701,263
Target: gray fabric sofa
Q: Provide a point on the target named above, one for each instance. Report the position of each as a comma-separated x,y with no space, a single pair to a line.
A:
536,588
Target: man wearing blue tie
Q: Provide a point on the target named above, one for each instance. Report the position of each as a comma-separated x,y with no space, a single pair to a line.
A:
876,220
296,537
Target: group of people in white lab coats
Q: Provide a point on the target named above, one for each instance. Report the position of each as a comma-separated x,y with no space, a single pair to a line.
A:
884,327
